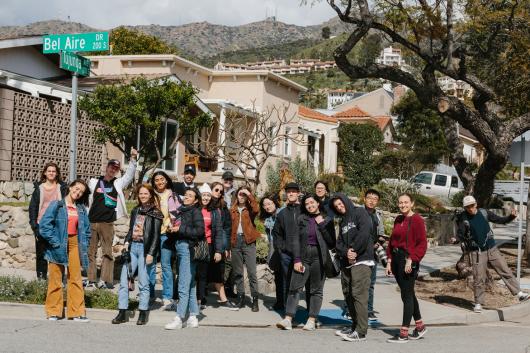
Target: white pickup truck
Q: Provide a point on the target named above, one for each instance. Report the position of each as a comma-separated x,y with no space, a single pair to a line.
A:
437,184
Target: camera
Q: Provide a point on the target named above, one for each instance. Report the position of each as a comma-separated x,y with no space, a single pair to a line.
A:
125,257
380,251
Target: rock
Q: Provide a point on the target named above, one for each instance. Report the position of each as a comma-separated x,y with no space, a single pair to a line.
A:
5,263
27,244
120,229
3,227
13,242
3,245
7,190
19,258
29,188
3,237
5,208
20,218
5,217
17,186
28,230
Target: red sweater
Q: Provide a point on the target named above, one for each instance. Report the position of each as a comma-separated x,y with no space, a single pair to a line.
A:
417,238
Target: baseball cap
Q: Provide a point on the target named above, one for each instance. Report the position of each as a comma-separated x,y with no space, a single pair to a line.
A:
469,200
114,162
292,185
189,170
228,176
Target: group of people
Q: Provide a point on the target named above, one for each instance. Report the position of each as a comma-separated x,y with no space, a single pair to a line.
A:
210,230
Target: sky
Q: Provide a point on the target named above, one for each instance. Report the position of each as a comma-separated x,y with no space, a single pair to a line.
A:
105,14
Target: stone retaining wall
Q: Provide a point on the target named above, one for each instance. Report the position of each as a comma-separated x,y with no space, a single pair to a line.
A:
17,242
15,191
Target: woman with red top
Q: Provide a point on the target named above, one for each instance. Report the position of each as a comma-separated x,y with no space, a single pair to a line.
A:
66,230
408,244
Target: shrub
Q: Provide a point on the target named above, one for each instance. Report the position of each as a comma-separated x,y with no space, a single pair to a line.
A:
18,290
335,182
456,199
301,172
262,250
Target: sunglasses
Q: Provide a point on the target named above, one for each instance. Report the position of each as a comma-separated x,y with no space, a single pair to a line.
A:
218,190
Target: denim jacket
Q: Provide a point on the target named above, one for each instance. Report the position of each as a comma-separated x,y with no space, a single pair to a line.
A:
53,228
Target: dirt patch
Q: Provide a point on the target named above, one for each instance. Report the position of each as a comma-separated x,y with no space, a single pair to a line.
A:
444,287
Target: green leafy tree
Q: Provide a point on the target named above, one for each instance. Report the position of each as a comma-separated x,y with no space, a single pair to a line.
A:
144,106
326,32
359,143
420,130
484,44
303,174
126,41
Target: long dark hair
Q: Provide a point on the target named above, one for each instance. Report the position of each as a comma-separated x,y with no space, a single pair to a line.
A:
83,200
220,202
234,199
169,182
274,198
306,197
58,177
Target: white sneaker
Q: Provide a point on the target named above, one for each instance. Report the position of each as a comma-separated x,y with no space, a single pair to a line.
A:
522,296
192,322
167,304
175,324
83,319
477,308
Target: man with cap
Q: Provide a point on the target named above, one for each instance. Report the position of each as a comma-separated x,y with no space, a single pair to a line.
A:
473,229
284,232
189,176
228,185
107,204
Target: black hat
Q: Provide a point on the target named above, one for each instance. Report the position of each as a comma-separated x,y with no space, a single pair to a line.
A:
114,162
228,176
189,169
292,185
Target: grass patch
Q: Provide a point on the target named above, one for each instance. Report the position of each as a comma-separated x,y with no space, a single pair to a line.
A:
17,290
15,203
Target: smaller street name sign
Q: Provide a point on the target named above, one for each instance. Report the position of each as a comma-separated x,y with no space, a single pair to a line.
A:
75,63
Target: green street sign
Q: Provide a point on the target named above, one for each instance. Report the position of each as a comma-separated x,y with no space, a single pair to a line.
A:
94,41
75,63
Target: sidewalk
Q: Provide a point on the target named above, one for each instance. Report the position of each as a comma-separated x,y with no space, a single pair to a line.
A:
387,302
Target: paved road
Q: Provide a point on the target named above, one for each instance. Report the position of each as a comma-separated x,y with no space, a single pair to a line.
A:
17,336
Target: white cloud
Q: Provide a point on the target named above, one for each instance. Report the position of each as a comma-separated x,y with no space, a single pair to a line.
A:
105,14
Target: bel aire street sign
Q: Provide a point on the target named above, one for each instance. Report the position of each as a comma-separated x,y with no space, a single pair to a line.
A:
94,41
75,63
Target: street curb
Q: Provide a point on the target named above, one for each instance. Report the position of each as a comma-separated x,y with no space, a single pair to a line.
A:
160,318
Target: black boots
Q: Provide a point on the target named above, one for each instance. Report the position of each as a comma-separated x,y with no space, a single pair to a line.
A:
255,306
240,301
142,318
121,317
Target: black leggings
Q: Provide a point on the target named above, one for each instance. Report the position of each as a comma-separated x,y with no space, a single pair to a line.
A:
406,283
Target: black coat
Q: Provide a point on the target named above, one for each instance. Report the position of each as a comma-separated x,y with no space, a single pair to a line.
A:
286,229
34,203
355,231
226,219
324,239
192,225
152,226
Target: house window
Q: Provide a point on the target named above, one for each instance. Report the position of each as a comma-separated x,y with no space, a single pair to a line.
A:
169,131
287,142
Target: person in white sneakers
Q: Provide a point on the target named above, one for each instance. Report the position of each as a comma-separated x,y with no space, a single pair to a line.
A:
474,231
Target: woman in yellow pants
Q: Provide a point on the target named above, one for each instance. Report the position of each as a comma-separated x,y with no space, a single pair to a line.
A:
66,229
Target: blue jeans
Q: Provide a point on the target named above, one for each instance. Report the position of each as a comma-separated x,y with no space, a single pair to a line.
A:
137,261
166,252
187,286
372,289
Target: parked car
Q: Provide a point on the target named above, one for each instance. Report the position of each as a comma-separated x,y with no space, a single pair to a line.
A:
437,184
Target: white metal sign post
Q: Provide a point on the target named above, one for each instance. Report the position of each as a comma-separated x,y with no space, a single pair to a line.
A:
520,238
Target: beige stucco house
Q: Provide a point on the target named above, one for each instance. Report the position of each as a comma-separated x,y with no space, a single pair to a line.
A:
220,92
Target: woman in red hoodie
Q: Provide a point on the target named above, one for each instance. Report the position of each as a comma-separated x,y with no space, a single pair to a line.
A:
408,244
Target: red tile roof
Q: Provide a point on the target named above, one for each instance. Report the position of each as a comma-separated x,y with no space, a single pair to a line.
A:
382,121
354,112
313,114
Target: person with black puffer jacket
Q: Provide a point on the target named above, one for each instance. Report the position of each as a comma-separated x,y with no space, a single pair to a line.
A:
188,233
283,234
356,251
142,243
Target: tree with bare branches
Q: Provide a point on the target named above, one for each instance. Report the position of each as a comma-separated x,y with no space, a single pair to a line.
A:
247,141
482,43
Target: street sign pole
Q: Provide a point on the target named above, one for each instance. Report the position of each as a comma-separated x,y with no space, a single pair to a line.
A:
73,129
520,240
